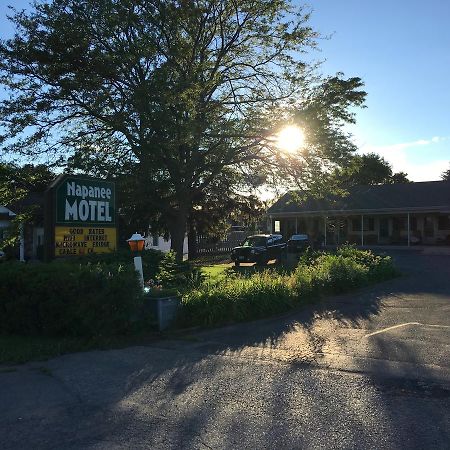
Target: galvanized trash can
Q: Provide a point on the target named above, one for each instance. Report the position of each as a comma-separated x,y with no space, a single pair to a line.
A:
165,310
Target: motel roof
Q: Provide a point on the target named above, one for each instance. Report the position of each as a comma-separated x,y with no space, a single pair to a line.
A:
430,196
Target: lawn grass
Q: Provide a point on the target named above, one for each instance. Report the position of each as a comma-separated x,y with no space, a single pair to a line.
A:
219,272
215,273
21,349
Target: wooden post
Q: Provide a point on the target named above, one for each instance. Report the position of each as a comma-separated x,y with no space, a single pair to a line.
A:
362,230
22,243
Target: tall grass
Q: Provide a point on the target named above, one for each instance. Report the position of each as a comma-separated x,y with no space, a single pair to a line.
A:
238,298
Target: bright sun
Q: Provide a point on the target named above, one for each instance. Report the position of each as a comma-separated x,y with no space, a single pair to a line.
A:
290,139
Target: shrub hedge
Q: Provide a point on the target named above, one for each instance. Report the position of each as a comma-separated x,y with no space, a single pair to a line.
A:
65,299
105,299
239,298
151,260
155,265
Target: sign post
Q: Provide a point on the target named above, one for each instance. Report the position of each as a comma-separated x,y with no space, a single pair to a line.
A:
80,217
136,243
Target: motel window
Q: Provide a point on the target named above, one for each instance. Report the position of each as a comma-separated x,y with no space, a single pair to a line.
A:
301,226
277,226
316,225
155,239
428,226
356,224
369,224
399,224
413,223
444,223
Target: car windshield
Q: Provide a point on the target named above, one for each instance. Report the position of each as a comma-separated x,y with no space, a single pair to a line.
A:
255,241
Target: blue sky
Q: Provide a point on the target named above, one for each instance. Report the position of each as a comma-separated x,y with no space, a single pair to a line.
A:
401,49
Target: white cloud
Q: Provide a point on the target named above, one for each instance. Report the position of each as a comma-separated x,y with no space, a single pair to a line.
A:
426,172
398,155
387,149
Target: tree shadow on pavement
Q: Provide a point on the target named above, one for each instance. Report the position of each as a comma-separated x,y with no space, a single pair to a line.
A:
240,386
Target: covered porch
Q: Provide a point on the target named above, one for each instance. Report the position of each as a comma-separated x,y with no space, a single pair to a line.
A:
400,229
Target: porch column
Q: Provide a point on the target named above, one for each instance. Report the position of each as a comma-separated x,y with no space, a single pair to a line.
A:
362,230
409,233
296,225
325,227
338,221
22,244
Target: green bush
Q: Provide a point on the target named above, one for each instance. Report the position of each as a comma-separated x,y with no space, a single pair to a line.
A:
178,274
332,273
64,299
237,299
156,265
245,297
346,269
380,267
151,260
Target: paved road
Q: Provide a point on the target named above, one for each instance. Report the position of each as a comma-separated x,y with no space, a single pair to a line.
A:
366,370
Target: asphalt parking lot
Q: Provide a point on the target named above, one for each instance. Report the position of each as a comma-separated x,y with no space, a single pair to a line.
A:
370,369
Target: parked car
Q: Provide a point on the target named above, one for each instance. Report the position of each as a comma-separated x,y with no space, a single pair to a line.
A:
298,243
237,228
260,249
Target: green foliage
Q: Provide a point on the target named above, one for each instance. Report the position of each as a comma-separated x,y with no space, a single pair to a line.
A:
347,269
370,169
182,274
65,299
17,185
237,299
445,175
156,265
16,182
250,296
332,273
175,94
151,260
380,267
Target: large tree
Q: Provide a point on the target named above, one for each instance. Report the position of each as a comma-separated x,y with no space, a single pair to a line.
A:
176,90
445,176
368,169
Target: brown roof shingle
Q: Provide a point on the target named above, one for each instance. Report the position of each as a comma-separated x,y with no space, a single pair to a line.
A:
430,195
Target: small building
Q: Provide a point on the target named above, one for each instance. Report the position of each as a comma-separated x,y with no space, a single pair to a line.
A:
31,239
6,217
156,242
390,214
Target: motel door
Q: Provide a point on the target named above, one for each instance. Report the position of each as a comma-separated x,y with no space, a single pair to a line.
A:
384,228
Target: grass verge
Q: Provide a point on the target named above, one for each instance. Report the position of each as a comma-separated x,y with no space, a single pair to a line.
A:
21,349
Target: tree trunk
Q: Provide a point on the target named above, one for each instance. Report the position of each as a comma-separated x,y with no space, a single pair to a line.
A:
177,230
192,242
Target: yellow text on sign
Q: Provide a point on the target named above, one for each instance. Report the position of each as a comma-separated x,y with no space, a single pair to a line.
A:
79,241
